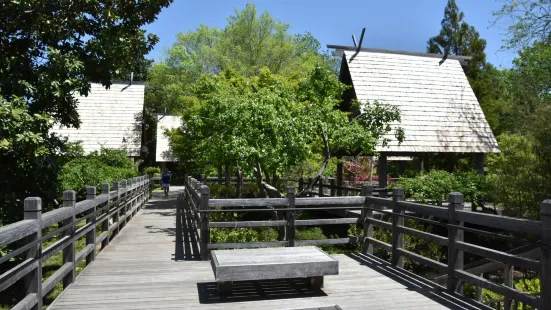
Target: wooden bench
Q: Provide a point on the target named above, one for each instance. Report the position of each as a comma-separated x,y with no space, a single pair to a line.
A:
272,263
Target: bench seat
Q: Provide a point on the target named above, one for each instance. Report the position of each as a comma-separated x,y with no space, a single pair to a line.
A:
272,263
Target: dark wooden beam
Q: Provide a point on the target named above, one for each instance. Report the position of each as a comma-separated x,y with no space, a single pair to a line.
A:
462,59
382,173
361,41
339,177
479,159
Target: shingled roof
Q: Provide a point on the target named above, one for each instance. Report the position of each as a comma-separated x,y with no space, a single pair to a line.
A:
439,110
109,118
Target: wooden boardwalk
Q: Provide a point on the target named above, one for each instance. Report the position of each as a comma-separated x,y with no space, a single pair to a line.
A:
139,271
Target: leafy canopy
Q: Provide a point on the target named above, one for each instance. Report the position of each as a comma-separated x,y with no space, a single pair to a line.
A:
270,121
529,21
50,52
249,42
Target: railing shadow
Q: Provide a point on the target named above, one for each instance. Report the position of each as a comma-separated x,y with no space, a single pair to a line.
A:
187,245
257,290
417,283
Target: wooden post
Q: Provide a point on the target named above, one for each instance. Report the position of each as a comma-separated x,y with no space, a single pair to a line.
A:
220,181
291,217
91,235
129,196
345,191
508,281
205,230
383,176
227,173
367,247
320,187
478,291
123,198
397,221
116,204
105,225
339,177
300,184
32,207
332,189
312,189
545,218
179,242
69,252
455,257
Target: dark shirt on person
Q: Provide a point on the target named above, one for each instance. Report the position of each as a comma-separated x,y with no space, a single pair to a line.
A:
166,178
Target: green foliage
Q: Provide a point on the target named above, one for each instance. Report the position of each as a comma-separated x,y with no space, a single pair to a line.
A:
415,245
514,177
30,158
248,43
269,121
495,300
50,52
527,21
113,158
105,166
153,171
433,187
220,235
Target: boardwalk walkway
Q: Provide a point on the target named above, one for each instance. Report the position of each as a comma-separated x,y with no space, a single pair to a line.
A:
139,271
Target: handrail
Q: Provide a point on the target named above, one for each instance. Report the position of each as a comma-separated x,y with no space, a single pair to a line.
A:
197,201
110,211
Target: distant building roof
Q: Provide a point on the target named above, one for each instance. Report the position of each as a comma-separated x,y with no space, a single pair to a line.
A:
439,110
109,118
163,151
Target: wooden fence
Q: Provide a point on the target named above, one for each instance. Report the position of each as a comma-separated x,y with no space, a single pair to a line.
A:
325,187
105,215
197,203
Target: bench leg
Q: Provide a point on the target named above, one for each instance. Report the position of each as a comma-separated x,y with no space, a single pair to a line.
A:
315,283
224,288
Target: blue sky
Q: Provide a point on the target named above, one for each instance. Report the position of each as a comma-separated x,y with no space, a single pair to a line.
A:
390,24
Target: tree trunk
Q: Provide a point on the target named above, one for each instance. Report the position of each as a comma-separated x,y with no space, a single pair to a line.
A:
261,189
322,168
239,182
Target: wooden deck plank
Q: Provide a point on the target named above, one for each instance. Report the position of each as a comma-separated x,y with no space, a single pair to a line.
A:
138,271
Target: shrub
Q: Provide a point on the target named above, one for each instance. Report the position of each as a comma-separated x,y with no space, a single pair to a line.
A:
105,166
152,171
435,186
514,178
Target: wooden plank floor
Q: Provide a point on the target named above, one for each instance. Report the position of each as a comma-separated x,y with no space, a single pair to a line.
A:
139,271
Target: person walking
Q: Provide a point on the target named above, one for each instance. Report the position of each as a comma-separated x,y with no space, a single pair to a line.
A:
165,181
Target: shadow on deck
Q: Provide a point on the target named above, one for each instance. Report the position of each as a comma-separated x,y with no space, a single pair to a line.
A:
187,245
257,290
417,283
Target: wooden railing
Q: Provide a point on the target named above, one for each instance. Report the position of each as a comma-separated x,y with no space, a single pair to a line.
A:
196,200
104,215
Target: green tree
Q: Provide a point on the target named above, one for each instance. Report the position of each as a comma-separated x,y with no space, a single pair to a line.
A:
457,37
514,177
249,42
529,21
95,169
50,52
269,123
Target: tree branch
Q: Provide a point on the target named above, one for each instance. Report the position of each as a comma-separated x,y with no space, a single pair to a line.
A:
272,191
